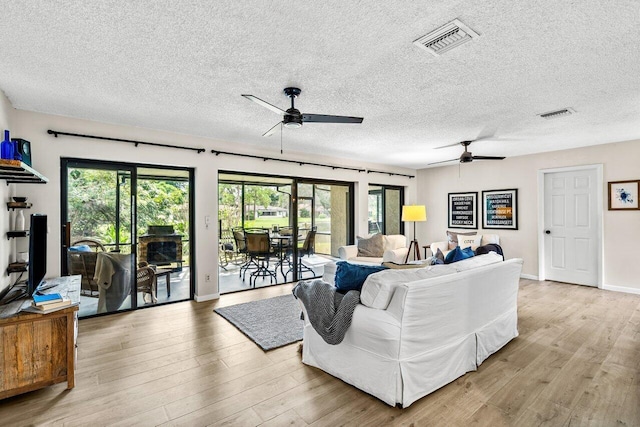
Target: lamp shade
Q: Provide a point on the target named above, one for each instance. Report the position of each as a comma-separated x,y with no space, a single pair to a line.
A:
414,213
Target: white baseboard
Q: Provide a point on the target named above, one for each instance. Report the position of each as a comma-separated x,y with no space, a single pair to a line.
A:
204,298
621,289
529,276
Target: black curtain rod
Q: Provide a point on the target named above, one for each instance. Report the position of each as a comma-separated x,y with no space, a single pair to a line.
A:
303,163
130,141
55,133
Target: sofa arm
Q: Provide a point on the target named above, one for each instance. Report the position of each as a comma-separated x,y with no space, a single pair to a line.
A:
443,246
395,255
346,252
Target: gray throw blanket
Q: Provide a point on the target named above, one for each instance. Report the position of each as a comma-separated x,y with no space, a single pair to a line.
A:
329,311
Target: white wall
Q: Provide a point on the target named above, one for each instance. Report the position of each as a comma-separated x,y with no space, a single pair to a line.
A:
621,229
6,191
48,150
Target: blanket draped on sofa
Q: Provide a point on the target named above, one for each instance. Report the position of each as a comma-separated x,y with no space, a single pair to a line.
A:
329,312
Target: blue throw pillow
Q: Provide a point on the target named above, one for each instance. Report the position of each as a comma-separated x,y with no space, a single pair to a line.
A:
458,254
350,277
80,248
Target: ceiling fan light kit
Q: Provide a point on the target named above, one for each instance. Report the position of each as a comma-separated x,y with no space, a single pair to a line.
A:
292,118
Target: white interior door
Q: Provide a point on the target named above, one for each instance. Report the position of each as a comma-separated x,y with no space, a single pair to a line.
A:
571,241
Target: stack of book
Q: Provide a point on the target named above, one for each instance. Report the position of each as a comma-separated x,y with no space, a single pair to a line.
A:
49,302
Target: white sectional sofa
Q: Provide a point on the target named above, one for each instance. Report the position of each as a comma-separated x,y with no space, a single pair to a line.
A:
395,250
419,329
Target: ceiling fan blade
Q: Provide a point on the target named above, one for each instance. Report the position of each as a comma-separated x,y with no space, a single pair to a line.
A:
487,132
444,161
487,158
272,130
265,104
323,118
455,144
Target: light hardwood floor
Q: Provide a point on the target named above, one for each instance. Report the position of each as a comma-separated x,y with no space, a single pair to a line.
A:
576,362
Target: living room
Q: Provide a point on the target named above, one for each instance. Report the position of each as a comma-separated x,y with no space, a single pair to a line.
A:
593,135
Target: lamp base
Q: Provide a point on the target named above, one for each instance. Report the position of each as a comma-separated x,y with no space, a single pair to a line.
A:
416,251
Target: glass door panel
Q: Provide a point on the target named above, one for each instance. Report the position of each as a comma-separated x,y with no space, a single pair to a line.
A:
376,210
385,208
99,217
392,211
163,229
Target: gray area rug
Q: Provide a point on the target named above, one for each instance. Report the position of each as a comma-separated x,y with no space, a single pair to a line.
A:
270,323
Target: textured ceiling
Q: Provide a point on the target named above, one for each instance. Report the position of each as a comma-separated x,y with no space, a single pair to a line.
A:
182,65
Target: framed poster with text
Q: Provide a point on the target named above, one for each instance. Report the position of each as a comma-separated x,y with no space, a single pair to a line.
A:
463,210
500,209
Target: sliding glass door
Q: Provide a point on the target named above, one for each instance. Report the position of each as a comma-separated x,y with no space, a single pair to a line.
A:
385,209
127,233
307,221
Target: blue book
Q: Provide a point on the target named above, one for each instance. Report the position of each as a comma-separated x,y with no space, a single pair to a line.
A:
39,300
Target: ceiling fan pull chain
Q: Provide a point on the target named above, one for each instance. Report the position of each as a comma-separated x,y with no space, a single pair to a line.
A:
281,138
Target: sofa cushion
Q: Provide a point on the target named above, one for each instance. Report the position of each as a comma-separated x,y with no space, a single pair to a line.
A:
350,277
477,261
80,248
394,241
372,246
452,236
378,289
458,254
472,241
490,239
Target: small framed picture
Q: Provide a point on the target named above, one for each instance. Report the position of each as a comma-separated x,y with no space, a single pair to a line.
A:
623,195
463,210
500,209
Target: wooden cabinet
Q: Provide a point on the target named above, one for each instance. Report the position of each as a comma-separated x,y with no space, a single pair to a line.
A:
38,350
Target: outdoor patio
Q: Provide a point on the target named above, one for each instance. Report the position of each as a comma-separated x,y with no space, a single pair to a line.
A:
179,283
229,279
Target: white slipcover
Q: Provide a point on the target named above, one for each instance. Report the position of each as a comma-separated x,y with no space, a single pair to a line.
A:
433,331
394,247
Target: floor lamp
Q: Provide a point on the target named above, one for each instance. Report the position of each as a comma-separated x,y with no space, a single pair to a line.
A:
415,213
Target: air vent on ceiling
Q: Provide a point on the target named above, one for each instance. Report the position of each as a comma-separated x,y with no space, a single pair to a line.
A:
557,113
446,38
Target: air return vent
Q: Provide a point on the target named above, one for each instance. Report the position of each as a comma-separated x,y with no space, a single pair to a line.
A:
557,113
446,38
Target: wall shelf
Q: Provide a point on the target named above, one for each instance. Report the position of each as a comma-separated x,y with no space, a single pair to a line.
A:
15,171
21,233
17,267
18,205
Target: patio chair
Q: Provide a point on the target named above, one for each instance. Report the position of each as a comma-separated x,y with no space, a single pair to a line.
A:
307,248
146,282
241,249
260,252
81,259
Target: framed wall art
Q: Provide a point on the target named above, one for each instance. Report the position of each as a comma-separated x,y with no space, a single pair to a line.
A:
500,209
623,195
463,210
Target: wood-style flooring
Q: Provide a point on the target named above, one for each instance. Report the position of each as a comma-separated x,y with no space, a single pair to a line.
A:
576,362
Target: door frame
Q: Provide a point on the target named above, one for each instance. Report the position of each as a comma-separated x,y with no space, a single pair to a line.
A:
134,166
598,168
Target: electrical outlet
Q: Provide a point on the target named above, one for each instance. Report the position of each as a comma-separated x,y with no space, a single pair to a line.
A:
207,277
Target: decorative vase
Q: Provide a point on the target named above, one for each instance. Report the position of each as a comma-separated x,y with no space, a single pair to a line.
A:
19,225
6,148
16,151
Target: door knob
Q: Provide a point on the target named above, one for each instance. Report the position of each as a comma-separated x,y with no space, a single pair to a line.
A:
547,231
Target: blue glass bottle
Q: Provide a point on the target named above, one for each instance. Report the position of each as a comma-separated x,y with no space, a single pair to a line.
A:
6,148
16,150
